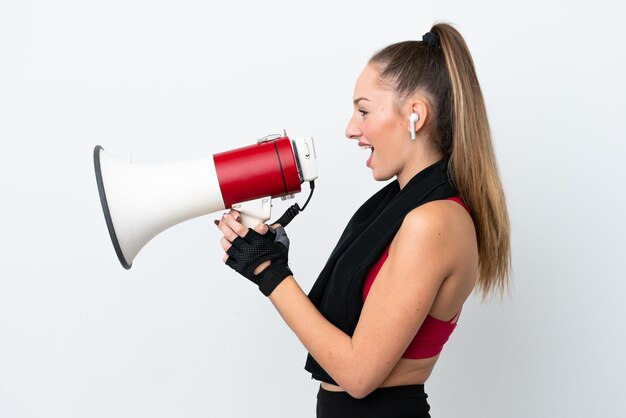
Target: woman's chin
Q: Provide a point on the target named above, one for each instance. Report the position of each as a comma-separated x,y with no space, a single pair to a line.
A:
378,176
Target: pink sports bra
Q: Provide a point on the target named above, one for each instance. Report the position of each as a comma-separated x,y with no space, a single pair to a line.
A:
433,333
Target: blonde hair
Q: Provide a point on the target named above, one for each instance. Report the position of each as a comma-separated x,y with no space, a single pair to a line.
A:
460,128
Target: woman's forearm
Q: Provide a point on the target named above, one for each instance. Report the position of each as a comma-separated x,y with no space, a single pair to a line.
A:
330,346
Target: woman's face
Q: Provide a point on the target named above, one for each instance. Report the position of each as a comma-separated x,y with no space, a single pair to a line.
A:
376,122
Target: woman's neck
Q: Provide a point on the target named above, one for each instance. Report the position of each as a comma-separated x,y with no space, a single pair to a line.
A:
417,164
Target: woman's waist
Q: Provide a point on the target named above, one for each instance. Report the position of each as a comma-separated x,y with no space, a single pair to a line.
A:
406,372
382,394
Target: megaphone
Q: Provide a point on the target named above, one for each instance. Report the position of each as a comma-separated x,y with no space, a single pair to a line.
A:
141,200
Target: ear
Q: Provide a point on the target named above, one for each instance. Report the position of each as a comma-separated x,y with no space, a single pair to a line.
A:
418,106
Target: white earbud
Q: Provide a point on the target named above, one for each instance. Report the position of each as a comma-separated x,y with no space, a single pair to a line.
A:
412,119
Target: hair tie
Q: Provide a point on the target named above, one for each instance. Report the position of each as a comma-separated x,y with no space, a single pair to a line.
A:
431,39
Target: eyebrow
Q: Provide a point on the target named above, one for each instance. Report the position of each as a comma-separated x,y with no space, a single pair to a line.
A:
356,101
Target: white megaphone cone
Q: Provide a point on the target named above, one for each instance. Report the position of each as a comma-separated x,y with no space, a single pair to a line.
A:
141,200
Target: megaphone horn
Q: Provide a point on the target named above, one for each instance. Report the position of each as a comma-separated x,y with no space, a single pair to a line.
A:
141,200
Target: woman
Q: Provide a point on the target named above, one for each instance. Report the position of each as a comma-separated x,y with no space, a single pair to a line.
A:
391,292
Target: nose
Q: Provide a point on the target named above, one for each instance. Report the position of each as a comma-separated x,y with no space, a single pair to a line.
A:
352,130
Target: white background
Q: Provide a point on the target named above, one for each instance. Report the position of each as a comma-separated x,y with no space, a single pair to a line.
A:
181,334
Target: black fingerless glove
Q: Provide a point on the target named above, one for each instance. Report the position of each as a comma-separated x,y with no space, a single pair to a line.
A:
248,252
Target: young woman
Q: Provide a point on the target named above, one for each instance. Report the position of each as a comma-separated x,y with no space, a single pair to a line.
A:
392,290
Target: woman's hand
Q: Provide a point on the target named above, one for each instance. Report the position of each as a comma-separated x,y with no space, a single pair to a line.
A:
259,254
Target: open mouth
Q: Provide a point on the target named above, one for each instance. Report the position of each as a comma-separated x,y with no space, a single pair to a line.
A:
365,147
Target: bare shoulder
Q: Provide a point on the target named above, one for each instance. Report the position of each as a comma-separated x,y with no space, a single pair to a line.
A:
445,218
441,228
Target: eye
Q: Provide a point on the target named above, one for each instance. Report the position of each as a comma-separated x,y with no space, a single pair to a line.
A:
363,112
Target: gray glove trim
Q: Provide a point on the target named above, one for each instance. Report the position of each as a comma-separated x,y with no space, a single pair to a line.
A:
281,235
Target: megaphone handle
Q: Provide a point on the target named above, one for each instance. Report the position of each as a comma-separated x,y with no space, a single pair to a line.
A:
251,221
254,212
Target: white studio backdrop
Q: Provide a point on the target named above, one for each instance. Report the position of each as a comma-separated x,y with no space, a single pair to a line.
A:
181,334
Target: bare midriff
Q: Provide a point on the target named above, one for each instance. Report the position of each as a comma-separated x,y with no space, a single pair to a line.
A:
406,372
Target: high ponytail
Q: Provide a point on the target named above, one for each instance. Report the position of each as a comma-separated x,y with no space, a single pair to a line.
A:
445,73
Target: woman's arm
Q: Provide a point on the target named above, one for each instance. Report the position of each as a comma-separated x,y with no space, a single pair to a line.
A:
399,300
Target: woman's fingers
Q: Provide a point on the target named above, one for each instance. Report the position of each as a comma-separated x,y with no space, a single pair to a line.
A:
261,228
230,227
225,243
229,234
230,220
240,229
